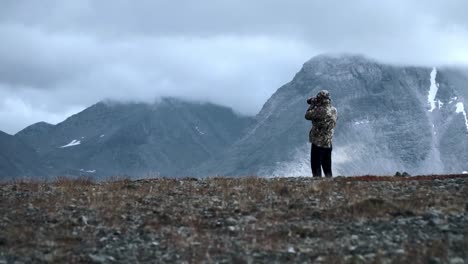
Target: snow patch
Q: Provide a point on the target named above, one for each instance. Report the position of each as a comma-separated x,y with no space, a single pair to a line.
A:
88,171
461,109
433,90
439,104
361,122
102,135
72,143
199,131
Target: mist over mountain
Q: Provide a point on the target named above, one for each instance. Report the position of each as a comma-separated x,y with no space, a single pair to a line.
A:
389,118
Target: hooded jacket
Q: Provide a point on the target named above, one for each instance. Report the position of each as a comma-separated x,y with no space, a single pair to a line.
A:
323,116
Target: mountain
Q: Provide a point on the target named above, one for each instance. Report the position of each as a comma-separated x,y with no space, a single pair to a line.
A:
390,118
18,159
135,139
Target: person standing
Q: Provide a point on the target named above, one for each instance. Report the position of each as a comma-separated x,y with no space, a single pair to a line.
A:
323,116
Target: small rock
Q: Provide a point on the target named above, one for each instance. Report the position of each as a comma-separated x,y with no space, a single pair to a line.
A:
50,244
219,223
99,258
84,220
434,260
48,258
250,219
231,221
320,259
316,214
184,231
358,259
291,250
456,237
456,260
400,251
444,227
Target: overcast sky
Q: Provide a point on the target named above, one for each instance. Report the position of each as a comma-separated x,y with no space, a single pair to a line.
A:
58,57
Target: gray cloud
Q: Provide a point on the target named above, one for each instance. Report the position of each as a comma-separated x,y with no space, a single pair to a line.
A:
58,57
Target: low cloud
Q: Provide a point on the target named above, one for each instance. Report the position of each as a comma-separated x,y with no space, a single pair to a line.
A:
58,57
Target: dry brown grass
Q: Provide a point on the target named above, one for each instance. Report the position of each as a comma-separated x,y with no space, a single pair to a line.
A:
283,211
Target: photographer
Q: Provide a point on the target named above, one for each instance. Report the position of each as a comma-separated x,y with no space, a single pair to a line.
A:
323,116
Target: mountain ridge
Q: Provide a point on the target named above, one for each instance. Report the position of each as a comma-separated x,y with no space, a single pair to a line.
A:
136,139
390,117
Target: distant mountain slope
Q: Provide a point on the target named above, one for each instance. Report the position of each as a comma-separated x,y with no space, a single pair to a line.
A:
17,159
389,118
135,139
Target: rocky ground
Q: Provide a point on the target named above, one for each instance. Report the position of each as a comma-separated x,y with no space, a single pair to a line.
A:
245,220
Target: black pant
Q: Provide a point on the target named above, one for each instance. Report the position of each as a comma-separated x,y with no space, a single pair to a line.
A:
320,158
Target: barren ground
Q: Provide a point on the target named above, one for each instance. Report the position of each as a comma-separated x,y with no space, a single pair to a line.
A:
236,220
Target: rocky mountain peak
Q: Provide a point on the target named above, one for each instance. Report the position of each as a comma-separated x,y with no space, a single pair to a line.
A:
337,63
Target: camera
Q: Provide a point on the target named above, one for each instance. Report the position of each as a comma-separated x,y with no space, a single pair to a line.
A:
312,100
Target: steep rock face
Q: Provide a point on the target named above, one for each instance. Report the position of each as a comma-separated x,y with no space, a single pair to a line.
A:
138,140
18,159
389,119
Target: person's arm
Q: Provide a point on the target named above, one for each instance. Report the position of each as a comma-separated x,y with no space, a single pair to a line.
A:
309,113
314,113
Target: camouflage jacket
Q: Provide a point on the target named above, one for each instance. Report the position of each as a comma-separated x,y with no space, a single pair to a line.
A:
323,117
